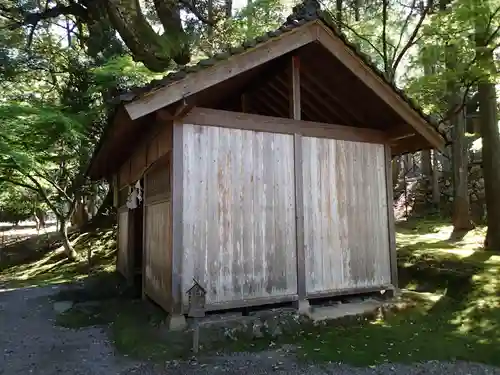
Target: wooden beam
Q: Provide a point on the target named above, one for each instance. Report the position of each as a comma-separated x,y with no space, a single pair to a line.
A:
409,144
399,132
295,113
295,103
371,79
235,120
244,103
176,113
393,256
177,213
220,71
274,85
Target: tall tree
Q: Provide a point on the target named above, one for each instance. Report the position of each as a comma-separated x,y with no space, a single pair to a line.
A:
487,29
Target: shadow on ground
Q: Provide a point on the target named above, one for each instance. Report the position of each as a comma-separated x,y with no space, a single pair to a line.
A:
449,309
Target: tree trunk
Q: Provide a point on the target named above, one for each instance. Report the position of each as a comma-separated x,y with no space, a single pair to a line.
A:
491,157
426,163
68,248
488,123
396,171
436,196
461,210
338,12
461,215
228,8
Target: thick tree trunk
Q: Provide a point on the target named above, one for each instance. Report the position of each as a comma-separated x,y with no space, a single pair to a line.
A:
488,124
154,50
461,215
491,160
426,164
68,248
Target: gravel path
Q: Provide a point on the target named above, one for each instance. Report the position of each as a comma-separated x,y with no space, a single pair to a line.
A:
31,344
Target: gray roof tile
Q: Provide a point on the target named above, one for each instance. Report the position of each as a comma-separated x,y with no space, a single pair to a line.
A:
303,13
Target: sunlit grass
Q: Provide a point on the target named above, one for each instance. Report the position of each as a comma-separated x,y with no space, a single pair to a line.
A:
449,308
38,266
452,291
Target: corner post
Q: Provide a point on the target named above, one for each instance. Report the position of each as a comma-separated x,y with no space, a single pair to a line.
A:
177,318
393,256
295,113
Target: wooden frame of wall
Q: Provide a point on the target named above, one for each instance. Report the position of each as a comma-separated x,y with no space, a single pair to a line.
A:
297,128
254,122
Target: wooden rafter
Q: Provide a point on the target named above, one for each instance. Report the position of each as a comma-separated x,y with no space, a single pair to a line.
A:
270,109
280,107
326,108
371,79
235,65
349,115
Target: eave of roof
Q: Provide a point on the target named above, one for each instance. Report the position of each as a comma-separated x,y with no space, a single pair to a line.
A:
303,13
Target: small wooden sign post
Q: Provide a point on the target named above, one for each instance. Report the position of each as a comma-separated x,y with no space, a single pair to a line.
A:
196,309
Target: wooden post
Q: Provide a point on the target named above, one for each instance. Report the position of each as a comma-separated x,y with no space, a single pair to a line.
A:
390,218
295,113
177,319
144,239
295,107
115,187
244,103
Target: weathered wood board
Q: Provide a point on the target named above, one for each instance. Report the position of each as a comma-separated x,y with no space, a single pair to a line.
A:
238,214
122,258
345,215
157,255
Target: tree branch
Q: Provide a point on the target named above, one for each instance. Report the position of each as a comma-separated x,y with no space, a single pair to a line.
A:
384,36
18,183
362,38
405,25
33,18
413,36
191,7
58,188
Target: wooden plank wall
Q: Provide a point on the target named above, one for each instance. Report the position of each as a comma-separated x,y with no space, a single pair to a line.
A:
345,215
155,145
122,258
238,214
158,255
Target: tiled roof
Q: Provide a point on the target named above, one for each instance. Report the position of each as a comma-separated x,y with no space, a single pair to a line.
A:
303,13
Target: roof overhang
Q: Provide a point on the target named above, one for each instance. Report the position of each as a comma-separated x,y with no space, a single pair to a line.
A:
417,131
313,31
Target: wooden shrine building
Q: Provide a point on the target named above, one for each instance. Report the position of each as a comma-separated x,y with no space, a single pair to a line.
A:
264,172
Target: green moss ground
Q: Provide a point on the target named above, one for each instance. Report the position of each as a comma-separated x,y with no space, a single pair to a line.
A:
452,287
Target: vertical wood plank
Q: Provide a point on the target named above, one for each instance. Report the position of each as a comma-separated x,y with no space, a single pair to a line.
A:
177,217
239,214
346,240
390,215
295,113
